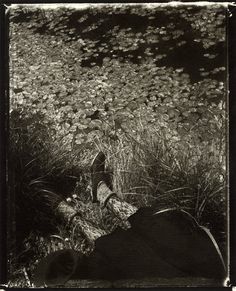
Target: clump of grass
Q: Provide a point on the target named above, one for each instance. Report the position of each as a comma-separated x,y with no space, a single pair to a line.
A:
151,167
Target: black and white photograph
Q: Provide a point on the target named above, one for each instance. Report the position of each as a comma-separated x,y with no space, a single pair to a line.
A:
118,145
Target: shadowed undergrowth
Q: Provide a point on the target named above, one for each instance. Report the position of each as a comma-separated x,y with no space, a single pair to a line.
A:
147,168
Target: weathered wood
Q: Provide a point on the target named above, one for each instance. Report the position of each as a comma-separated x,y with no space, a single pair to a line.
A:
71,216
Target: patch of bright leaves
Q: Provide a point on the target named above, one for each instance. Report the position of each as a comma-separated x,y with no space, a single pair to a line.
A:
99,73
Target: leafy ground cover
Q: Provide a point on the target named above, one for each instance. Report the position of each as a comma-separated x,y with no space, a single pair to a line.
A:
147,86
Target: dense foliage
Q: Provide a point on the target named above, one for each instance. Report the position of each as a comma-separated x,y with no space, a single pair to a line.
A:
103,67
147,85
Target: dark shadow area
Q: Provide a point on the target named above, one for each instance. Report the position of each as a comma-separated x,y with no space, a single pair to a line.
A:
232,141
32,184
168,244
